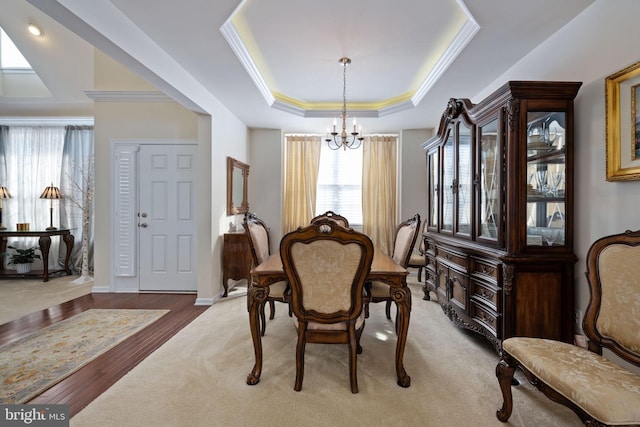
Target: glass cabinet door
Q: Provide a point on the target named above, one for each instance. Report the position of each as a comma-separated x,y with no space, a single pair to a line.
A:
433,169
488,180
546,197
448,182
464,190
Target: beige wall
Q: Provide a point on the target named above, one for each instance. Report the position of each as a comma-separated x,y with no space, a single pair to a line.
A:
265,182
218,135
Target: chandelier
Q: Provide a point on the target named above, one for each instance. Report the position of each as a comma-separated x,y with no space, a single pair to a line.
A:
337,139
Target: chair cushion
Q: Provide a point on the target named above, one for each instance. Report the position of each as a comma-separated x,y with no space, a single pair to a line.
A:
603,389
340,326
277,289
417,259
380,290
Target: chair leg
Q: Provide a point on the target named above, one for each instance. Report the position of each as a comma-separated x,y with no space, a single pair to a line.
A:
353,359
302,341
504,372
367,297
272,309
387,310
263,322
420,274
358,335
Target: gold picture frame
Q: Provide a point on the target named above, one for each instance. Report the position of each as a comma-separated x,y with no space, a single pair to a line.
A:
622,99
237,183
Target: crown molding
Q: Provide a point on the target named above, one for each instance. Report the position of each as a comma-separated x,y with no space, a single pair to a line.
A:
237,45
464,36
127,96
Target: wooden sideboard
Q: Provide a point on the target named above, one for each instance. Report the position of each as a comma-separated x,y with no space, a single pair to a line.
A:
236,259
44,243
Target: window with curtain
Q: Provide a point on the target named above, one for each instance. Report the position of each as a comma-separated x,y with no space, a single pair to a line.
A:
339,187
32,158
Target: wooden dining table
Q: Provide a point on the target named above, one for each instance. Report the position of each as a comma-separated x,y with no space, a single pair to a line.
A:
383,269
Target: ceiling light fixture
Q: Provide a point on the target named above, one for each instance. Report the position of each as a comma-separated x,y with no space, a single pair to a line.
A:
35,30
344,140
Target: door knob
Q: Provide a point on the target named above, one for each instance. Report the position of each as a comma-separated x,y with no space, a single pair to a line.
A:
143,225
143,214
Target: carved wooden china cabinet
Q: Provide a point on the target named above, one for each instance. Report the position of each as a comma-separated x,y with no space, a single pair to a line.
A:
499,236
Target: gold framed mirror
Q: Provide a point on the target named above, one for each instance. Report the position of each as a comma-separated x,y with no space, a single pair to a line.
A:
237,177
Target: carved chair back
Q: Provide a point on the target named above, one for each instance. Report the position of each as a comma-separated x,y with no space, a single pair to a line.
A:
405,239
258,233
612,318
326,267
339,219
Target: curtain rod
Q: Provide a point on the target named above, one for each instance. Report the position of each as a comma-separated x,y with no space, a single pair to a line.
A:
47,121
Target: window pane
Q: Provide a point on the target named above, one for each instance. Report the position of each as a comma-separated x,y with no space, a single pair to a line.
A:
340,183
10,56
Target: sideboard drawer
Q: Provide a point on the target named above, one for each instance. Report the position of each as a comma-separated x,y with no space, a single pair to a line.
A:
485,316
486,292
485,269
455,259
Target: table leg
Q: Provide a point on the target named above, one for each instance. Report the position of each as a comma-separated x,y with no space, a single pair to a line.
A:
3,249
68,241
45,244
402,298
256,298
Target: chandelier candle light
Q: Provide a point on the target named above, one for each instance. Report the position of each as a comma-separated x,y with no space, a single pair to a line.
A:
51,193
343,140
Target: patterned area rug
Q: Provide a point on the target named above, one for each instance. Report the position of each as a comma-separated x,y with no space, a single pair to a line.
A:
32,364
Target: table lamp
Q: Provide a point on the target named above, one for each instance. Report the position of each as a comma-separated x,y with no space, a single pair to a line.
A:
4,194
51,193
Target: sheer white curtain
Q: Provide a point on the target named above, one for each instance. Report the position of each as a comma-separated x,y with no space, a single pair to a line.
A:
76,185
32,159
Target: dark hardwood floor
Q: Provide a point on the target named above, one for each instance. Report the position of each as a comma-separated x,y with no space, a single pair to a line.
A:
80,388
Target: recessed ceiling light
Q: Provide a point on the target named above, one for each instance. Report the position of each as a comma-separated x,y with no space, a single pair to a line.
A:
35,30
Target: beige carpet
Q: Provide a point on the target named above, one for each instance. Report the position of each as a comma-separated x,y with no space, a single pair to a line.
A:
32,364
198,378
20,297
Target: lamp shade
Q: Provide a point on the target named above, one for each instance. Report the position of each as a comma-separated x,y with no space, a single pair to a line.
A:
4,193
51,192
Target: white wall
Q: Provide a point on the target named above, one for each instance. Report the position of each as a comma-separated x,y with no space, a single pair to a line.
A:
598,42
265,180
413,173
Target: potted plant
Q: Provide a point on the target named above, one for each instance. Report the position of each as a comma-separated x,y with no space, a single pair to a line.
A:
23,258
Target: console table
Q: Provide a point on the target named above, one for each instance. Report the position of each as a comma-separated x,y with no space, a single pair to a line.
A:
44,242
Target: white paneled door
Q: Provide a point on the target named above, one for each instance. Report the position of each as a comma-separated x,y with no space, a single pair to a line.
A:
166,218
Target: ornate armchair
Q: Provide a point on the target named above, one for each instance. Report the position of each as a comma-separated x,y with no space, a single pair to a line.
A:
598,390
327,302
333,216
405,239
259,243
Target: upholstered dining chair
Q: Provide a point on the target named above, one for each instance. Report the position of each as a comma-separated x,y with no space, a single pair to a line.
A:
259,242
405,239
600,391
326,266
333,216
